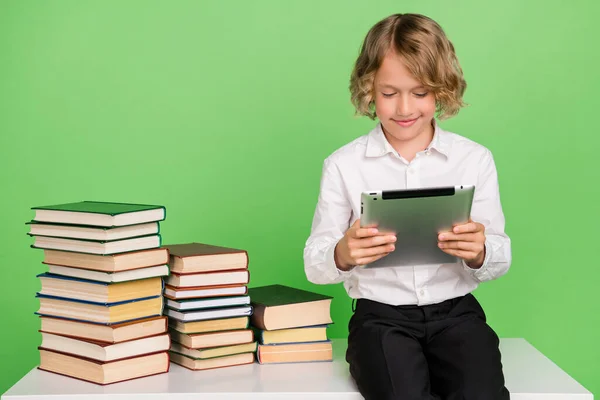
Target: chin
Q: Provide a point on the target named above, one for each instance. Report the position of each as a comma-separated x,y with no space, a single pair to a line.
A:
403,133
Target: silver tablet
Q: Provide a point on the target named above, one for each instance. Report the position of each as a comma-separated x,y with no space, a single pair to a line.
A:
416,216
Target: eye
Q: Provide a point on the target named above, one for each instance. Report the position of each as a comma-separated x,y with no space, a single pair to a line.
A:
421,94
387,94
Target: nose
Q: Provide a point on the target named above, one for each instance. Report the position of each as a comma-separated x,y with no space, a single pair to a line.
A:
404,106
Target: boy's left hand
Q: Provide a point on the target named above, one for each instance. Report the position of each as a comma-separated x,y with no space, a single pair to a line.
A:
466,241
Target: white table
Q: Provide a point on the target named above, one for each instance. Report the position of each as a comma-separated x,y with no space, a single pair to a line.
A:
529,376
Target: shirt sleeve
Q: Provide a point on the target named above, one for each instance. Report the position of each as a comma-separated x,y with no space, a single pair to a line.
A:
331,220
487,210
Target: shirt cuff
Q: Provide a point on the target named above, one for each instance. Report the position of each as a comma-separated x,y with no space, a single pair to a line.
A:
481,273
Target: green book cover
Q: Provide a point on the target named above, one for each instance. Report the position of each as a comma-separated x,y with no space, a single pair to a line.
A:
100,207
278,295
102,228
99,241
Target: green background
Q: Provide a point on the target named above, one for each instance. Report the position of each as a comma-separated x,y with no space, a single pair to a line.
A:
223,111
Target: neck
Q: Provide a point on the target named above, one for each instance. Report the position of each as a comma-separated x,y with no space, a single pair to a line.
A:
408,149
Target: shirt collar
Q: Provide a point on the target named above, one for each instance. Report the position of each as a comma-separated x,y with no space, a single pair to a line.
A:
378,146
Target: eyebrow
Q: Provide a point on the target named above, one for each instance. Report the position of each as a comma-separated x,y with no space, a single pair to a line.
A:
390,86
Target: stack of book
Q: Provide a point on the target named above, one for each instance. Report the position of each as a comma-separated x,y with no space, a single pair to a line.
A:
291,324
208,306
101,300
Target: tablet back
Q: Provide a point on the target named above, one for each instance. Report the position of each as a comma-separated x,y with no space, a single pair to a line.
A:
416,216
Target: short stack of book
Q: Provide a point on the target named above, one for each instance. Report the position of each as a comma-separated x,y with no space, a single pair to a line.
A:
291,324
208,306
101,300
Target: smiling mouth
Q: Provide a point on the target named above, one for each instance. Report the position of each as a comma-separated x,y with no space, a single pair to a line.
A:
405,123
405,120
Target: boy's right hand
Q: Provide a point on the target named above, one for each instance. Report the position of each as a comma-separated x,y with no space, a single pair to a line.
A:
361,246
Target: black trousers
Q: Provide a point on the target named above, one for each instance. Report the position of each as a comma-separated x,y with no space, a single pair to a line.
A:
439,351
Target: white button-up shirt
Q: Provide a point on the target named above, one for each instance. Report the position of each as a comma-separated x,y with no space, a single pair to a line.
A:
371,163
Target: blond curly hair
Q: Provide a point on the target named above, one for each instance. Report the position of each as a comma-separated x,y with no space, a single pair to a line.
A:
427,53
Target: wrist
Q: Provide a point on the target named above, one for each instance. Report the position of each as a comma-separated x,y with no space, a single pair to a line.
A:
339,263
478,262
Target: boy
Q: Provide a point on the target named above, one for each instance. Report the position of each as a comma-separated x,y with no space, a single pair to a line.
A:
417,332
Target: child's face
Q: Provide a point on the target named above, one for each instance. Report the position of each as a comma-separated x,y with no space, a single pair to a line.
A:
404,107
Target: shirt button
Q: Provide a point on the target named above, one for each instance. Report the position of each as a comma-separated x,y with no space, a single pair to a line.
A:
428,152
422,292
411,171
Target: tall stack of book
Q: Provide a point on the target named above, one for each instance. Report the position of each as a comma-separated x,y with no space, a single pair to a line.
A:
208,306
291,324
101,300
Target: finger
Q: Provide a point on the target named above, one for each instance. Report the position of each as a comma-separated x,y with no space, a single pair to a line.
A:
355,244
459,245
377,240
465,237
372,251
469,227
463,228
369,260
364,233
356,231
465,255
